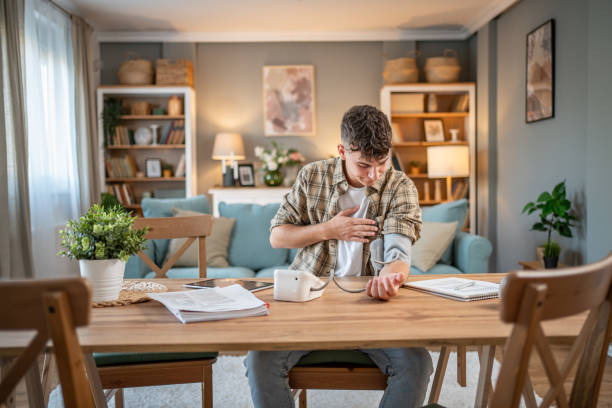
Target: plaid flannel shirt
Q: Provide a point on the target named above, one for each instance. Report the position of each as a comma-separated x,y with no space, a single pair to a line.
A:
313,199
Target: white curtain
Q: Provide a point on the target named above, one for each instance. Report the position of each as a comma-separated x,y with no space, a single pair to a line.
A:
52,157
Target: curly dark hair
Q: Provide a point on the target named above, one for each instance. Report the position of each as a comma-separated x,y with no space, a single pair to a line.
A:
366,129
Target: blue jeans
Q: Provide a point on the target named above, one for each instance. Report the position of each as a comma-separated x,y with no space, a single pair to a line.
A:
408,371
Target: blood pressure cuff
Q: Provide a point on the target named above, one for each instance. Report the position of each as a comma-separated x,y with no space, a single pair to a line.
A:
390,248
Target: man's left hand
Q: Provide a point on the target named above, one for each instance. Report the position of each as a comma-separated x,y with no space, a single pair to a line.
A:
385,287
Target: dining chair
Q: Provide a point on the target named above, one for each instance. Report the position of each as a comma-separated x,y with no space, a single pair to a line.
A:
124,370
53,308
533,297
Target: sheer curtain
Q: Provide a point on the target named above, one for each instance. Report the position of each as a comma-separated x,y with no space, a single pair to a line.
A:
52,159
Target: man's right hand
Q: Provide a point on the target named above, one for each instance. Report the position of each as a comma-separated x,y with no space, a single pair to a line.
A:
346,228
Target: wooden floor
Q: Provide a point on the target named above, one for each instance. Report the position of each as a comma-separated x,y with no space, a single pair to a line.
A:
538,378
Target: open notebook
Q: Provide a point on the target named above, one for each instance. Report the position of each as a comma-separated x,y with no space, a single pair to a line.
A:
465,290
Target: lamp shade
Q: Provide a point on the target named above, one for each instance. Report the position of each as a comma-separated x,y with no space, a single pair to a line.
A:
227,144
448,161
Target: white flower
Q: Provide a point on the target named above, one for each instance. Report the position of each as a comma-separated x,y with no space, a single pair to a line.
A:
258,151
272,166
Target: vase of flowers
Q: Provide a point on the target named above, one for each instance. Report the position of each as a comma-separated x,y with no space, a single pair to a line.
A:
274,158
102,240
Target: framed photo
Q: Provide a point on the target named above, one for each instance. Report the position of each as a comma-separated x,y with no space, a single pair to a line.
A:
289,100
434,130
246,175
540,78
153,167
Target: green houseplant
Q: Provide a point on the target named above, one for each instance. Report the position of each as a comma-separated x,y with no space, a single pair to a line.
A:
102,241
554,211
414,166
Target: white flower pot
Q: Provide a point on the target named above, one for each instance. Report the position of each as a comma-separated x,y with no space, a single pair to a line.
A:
105,277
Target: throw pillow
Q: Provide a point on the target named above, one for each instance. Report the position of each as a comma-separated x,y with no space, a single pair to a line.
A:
435,238
216,243
447,212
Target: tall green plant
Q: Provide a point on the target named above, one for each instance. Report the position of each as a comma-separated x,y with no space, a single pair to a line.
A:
554,211
110,118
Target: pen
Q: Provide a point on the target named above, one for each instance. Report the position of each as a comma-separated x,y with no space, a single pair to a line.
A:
465,285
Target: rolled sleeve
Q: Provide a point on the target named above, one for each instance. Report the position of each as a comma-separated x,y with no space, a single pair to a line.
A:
293,206
404,216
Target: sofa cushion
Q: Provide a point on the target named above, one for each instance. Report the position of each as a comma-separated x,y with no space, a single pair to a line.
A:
250,244
292,254
335,357
216,243
269,272
435,238
193,273
447,212
437,269
162,207
108,359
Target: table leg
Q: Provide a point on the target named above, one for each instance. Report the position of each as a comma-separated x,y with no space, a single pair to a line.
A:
5,365
34,386
94,379
487,356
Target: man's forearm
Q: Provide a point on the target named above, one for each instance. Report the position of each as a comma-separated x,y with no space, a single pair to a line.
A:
396,267
297,236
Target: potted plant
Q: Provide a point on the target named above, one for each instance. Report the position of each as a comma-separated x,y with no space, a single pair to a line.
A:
167,170
554,210
414,166
102,240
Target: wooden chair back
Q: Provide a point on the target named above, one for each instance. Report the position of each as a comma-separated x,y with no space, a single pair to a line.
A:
53,308
528,298
196,227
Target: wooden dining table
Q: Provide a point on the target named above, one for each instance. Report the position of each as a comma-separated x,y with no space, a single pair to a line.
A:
336,320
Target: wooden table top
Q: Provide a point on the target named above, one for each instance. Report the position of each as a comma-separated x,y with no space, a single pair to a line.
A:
337,320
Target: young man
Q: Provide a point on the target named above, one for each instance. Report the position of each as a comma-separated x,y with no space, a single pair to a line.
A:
333,211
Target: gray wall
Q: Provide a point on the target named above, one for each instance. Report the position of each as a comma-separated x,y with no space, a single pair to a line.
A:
228,86
572,146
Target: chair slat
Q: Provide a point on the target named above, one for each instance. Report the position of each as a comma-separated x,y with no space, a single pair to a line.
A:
176,227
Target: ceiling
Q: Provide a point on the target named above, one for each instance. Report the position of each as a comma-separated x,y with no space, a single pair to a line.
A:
285,20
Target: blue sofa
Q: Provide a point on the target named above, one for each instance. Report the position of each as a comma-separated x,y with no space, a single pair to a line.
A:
251,255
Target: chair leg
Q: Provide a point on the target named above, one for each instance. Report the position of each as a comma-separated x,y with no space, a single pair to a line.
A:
484,388
119,402
436,385
11,401
303,401
207,387
461,369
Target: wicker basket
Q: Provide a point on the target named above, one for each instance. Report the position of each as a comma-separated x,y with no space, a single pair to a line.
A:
140,108
179,72
136,72
401,70
443,69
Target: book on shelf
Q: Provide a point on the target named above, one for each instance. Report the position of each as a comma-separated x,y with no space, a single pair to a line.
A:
122,192
121,166
459,190
122,137
217,303
180,167
396,160
465,290
461,103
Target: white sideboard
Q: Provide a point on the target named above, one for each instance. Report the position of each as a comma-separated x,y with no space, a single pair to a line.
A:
246,195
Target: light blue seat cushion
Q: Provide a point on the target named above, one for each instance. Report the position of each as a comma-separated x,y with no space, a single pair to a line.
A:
437,269
250,242
269,272
193,273
336,357
108,359
447,212
292,254
162,207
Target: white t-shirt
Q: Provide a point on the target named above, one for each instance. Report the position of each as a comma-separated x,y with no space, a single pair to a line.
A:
350,253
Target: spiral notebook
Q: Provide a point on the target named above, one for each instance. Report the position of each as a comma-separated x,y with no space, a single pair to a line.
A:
465,290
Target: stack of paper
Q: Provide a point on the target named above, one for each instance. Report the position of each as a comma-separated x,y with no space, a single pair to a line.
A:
457,288
229,302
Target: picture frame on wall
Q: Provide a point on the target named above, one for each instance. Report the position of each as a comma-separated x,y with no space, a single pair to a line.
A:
540,73
153,167
289,100
434,130
246,175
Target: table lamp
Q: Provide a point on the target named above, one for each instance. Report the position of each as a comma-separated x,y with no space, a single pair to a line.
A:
228,147
447,162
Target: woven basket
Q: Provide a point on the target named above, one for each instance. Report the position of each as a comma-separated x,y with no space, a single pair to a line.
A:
401,76
449,58
140,108
136,72
179,72
442,74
